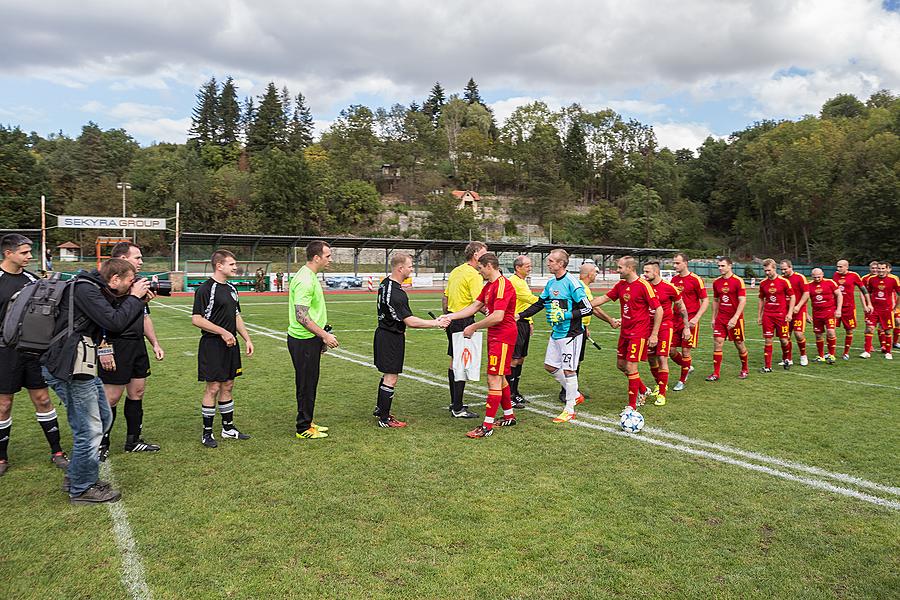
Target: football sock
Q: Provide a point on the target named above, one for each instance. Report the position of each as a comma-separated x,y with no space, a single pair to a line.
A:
490,408
820,347
896,333
832,345
790,350
513,379
642,388
679,359
685,368
717,362
768,355
209,412
226,409
654,370
885,341
560,376
104,443
801,346
634,389
663,381
571,391
848,339
456,394
506,400
5,428
786,353
50,425
385,398
134,417
868,346
744,358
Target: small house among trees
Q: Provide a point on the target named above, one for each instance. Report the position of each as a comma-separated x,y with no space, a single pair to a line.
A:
467,199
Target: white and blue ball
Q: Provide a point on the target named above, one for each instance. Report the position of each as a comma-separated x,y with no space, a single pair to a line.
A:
632,421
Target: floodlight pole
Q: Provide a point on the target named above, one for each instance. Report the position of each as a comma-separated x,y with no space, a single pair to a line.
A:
177,232
123,185
43,233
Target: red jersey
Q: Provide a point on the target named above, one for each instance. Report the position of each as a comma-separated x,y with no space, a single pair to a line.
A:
882,290
692,291
668,295
845,283
728,291
638,302
776,295
799,284
500,295
822,296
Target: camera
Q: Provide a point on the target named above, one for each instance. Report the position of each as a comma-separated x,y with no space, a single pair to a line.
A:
160,288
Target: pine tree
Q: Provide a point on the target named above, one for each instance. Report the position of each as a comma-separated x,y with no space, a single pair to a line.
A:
435,102
286,104
268,128
471,95
575,168
247,117
302,123
205,117
229,114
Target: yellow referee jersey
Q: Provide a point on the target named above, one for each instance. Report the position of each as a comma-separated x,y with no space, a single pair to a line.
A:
587,290
463,287
524,297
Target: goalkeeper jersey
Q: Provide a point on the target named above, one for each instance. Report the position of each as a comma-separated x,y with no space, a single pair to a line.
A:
565,302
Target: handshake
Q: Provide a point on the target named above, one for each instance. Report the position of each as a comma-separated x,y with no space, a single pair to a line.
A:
442,321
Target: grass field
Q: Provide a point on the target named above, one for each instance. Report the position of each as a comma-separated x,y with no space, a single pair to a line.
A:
785,485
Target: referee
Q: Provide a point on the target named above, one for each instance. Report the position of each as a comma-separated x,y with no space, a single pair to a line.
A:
307,338
463,288
127,368
394,316
524,298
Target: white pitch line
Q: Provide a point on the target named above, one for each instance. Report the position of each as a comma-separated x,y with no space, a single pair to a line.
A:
132,565
815,483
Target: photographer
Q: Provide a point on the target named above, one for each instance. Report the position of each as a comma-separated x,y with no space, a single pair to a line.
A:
90,306
127,368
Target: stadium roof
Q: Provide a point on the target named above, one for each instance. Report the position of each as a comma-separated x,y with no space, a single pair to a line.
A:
289,241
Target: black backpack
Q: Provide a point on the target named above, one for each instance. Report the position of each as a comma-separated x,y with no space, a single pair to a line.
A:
31,316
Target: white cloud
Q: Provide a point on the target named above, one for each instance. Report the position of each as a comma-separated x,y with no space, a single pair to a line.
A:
676,136
804,94
159,130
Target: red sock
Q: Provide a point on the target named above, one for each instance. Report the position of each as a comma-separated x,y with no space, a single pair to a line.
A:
685,368
848,339
868,346
744,358
801,345
885,341
663,382
634,388
678,358
490,409
790,350
832,345
768,355
654,370
717,363
506,397
820,347
642,388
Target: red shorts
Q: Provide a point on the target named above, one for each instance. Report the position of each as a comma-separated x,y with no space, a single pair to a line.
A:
678,337
798,323
848,320
632,349
820,324
884,320
665,341
720,329
499,357
775,326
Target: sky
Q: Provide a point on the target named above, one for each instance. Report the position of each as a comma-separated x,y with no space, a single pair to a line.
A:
690,68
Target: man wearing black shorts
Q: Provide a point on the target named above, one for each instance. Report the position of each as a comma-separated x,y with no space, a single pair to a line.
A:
525,327
18,370
127,368
217,311
394,316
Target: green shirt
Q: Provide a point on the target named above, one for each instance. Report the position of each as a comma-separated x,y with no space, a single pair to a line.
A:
305,290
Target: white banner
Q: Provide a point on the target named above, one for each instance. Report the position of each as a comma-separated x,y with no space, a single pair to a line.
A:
110,222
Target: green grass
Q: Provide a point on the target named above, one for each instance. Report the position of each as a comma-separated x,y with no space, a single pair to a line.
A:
539,510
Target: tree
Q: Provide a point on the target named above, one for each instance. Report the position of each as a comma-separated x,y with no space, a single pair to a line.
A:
881,99
282,195
268,128
843,105
229,114
471,94
448,223
302,125
575,166
352,145
22,180
205,119
356,203
646,223
435,102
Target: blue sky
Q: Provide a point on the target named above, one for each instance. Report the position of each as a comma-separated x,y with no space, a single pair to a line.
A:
690,68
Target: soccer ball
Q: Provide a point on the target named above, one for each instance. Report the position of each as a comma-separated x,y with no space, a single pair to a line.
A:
632,422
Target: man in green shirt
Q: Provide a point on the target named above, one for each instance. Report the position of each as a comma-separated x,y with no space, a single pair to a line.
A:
307,337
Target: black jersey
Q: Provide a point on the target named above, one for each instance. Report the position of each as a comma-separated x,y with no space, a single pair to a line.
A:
218,303
10,283
393,306
135,331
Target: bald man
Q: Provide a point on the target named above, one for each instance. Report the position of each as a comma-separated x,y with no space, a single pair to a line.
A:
847,281
826,301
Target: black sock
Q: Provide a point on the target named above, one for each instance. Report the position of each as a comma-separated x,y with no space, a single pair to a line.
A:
134,417
50,424
513,380
5,428
226,409
452,383
385,398
104,443
209,413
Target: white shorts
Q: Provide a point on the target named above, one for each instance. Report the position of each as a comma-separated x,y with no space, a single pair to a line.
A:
563,353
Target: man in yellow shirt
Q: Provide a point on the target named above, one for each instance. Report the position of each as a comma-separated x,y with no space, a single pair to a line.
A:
463,287
524,298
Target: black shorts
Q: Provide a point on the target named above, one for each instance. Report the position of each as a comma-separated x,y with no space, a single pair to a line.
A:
132,362
216,361
390,349
19,371
523,337
455,327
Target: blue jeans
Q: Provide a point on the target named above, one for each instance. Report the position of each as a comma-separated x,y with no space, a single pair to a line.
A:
89,417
